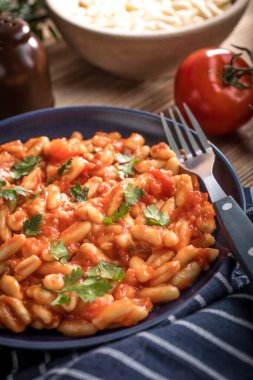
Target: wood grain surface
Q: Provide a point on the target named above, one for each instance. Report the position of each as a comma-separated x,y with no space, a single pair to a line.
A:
76,82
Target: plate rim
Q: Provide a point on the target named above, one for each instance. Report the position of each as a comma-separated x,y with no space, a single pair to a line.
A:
91,341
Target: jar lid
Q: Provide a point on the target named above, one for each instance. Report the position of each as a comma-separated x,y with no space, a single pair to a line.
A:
13,30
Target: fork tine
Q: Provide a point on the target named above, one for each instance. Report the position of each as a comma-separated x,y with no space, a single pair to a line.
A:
192,140
202,137
180,136
170,138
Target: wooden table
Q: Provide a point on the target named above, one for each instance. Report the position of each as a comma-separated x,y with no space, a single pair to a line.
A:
76,82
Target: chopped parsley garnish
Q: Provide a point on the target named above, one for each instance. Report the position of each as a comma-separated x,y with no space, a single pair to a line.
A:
23,168
123,158
78,193
95,285
2,182
64,167
132,195
31,226
11,193
122,211
126,169
59,252
107,271
156,217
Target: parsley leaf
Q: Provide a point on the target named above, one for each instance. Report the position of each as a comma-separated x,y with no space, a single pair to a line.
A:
64,167
133,194
87,290
25,167
2,182
61,299
31,227
78,193
60,252
106,270
123,158
76,275
156,217
11,193
122,211
126,170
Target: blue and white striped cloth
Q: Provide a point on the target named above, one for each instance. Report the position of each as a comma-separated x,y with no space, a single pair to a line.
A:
210,338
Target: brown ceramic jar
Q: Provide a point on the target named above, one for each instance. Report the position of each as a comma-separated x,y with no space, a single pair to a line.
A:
24,76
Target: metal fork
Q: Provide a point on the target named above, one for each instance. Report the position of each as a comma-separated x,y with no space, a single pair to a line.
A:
196,156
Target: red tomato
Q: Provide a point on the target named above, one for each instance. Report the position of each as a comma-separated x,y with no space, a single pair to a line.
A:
220,108
162,184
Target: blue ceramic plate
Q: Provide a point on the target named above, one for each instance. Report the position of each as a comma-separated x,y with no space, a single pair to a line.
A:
62,122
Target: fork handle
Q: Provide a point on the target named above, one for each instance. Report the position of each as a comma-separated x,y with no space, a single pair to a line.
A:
238,231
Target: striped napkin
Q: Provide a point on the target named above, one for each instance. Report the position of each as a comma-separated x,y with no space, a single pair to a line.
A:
210,338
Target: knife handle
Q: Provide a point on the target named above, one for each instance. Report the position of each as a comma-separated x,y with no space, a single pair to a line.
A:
238,231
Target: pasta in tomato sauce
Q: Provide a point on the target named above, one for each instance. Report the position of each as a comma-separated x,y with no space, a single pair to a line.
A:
94,232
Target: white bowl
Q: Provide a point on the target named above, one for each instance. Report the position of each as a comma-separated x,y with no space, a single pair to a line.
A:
147,54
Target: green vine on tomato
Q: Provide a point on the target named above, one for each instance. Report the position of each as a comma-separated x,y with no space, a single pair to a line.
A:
217,85
232,75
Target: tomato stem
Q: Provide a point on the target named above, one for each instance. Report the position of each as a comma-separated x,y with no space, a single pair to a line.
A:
231,75
248,51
